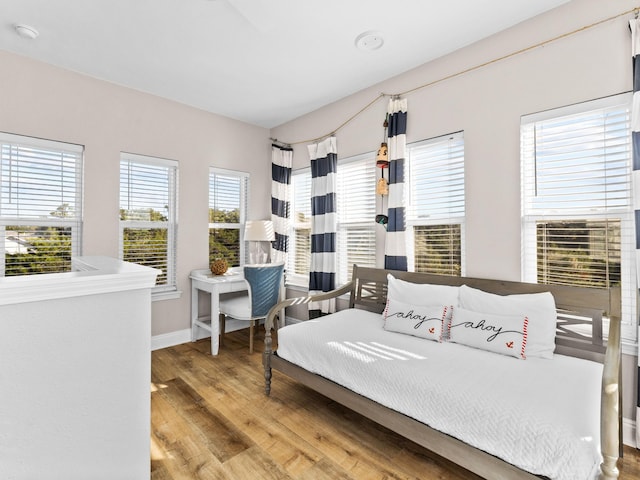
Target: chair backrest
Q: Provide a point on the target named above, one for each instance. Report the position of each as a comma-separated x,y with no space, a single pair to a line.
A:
264,286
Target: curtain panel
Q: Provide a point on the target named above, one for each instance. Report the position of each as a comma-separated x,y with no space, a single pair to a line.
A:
322,271
395,252
281,161
634,24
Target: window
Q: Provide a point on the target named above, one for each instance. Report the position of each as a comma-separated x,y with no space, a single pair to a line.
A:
435,216
227,214
148,210
356,234
40,205
356,188
576,206
299,257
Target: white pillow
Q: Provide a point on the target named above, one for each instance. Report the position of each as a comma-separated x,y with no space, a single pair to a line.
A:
505,334
539,308
421,293
418,320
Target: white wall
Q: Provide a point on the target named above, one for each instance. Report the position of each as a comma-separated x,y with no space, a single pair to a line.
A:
487,105
44,101
75,372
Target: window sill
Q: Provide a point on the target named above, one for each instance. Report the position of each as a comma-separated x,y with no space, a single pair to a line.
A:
167,295
297,288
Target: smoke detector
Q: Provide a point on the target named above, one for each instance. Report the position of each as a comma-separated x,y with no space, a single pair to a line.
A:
26,31
369,41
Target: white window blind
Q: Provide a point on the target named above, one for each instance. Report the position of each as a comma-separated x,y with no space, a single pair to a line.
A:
228,192
356,212
576,198
356,197
148,208
437,204
299,256
40,205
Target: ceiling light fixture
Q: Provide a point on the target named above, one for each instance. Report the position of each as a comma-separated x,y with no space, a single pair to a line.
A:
26,31
369,41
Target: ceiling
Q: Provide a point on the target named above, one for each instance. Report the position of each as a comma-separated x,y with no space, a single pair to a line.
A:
264,62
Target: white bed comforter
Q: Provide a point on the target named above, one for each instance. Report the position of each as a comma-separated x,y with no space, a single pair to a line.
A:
540,415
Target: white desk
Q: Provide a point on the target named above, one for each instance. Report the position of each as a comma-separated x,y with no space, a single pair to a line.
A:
232,281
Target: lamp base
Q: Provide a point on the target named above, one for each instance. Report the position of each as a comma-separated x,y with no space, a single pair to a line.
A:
257,254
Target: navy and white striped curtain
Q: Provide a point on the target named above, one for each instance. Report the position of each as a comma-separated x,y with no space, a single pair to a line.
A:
635,178
322,272
395,251
281,159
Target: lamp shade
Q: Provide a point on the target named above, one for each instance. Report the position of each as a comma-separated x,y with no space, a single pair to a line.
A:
259,231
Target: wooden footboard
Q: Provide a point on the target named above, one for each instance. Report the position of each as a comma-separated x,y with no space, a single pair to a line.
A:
580,323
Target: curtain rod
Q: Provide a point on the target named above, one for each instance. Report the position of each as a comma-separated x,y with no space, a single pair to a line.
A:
634,10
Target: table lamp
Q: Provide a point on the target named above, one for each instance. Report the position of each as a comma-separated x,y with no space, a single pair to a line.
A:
256,232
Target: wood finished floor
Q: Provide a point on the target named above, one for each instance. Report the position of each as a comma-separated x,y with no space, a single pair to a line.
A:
210,420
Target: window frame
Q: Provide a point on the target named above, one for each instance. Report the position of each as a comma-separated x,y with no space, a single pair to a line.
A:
244,179
413,219
75,223
170,288
530,217
343,268
293,278
344,225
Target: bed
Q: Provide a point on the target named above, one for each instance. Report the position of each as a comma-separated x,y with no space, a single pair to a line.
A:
552,415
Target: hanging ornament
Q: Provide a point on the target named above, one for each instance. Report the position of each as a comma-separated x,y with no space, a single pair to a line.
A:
382,219
382,159
382,187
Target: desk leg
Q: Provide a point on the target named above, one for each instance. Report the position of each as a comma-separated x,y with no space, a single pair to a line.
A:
194,313
215,322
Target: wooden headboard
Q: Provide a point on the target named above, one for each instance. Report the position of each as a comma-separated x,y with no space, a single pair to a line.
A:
581,310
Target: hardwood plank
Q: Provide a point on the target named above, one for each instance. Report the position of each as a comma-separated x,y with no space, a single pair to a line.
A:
211,421
173,446
630,464
217,433
247,464
256,417
325,470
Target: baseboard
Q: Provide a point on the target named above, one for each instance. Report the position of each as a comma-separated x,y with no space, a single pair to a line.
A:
629,432
170,339
178,337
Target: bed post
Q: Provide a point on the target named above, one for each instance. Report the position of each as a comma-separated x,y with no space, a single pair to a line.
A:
279,308
266,360
268,349
610,403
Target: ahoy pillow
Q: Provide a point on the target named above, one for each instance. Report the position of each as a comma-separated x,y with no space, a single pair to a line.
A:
420,321
505,334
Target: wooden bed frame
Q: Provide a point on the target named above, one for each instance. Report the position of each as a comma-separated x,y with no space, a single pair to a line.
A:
579,334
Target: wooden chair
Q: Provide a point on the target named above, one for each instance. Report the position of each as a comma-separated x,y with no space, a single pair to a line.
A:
264,292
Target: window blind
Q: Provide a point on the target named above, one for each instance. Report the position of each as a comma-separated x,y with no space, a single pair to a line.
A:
356,212
437,204
148,205
577,164
299,257
227,214
356,197
578,224
40,205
